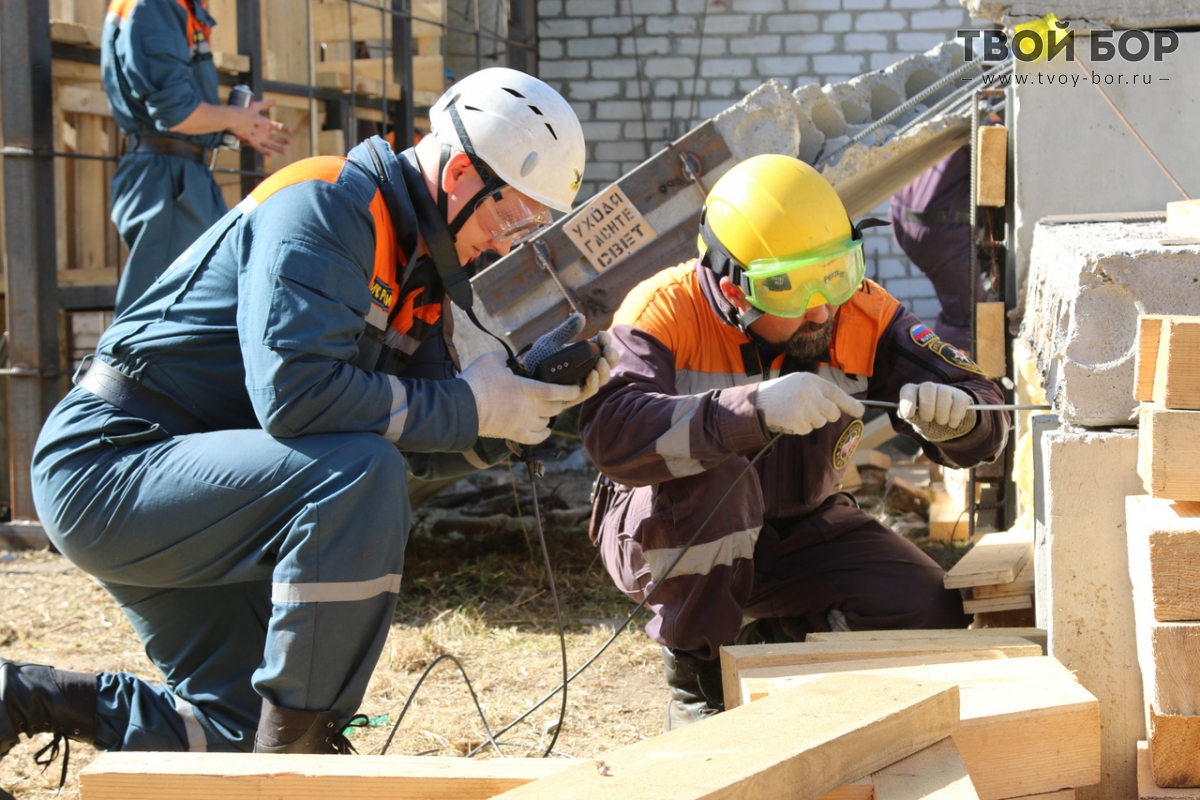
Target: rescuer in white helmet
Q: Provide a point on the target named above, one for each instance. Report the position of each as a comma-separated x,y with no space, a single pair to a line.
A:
231,465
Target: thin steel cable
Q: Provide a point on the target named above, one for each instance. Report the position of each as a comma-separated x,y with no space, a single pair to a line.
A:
666,574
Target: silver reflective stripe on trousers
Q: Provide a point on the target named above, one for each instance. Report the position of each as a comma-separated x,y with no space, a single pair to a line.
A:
701,559
197,741
345,592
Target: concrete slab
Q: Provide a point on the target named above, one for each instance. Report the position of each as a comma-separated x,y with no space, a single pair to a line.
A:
1090,623
1110,13
1087,284
1072,154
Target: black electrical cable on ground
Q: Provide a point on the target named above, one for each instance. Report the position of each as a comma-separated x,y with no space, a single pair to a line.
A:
666,574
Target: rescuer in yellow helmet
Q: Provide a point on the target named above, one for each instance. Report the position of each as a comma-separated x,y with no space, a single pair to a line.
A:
771,330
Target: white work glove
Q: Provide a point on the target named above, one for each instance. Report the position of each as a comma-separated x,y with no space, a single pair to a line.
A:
603,371
938,412
513,408
799,402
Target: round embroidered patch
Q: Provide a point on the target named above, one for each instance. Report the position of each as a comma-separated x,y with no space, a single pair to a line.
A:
847,444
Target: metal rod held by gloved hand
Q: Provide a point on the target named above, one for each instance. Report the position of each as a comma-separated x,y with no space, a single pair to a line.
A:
973,407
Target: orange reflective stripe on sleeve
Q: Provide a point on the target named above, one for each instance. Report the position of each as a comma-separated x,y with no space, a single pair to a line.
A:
319,168
861,321
122,8
385,281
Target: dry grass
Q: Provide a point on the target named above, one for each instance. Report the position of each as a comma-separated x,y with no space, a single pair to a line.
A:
483,599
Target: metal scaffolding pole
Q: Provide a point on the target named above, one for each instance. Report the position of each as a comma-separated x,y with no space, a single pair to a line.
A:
31,295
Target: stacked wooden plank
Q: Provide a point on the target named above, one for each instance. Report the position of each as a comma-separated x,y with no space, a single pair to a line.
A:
1163,533
1028,729
825,734
996,574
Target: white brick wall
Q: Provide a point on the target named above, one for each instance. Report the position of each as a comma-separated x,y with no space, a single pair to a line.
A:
629,69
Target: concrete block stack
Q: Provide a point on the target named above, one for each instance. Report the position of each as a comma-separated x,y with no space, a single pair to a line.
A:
1088,280
1164,547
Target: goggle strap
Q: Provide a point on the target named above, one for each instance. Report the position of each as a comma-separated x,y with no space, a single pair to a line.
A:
867,223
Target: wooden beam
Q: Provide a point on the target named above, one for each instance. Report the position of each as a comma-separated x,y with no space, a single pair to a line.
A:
992,156
429,72
871,458
990,325
1028,727
1148,789
75,33
63,69
1149,328
935,773
996,558
1174,749
232,63
246,776
332,21
948,518
1177,369
1167,460
986,605
1164,555
977,635
822,736
1024,584
81,100
368,87
861,789
735,659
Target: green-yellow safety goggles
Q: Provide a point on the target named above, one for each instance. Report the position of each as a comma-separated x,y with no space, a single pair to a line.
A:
791,285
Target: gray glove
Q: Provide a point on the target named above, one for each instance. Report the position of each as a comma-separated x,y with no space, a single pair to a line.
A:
550,343
937,411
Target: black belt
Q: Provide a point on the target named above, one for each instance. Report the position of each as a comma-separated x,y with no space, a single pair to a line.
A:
939,216
167,146
125,393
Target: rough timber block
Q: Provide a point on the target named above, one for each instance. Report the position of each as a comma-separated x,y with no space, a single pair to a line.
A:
978,635
1023,585
1148,790
1087,284
737,658
1149,329
1168,652
822,736
1183,219
245,776
1027,724
993,166
1164,545
1167,459
995,558
1177,368
935,773
1174,749
1087,595
990,326
986,605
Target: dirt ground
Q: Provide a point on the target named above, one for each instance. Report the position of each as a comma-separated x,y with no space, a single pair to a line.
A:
474,587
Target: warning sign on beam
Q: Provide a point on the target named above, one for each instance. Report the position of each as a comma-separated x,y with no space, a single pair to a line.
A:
609,229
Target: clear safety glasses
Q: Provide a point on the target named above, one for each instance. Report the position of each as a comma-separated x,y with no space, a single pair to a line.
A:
791,285
513,218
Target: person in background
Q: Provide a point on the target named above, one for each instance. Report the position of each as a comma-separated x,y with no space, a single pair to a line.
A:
161,83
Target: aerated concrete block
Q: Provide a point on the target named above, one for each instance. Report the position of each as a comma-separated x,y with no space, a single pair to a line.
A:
1086,591
1087,284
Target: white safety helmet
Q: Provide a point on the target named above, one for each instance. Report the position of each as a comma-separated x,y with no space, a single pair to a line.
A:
520,128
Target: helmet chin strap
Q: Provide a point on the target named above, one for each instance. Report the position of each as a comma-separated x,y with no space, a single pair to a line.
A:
443,200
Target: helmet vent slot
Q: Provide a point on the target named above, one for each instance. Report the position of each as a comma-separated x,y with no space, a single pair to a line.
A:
537,111
471,108
514,92
552,133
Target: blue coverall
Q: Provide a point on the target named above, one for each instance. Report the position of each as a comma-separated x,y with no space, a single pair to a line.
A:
157,68
261,558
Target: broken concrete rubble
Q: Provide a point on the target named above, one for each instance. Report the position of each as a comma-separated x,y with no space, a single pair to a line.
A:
1087,284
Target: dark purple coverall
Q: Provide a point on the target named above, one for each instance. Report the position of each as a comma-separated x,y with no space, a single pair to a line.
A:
676,425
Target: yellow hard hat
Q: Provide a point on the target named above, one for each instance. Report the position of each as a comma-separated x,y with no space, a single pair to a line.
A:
777,228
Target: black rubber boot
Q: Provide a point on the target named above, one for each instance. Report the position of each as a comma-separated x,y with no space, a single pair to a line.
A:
282,730
40,699
696,690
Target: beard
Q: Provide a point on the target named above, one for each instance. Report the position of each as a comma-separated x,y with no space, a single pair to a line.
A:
811,341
